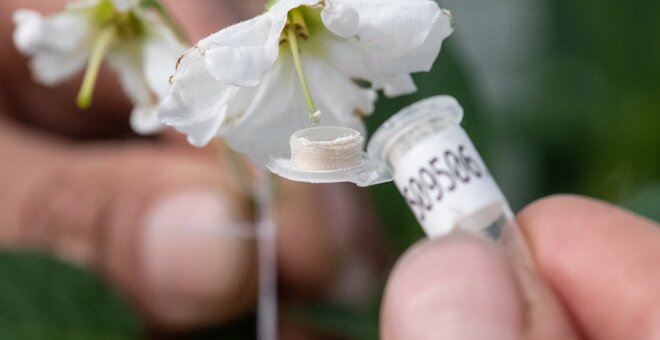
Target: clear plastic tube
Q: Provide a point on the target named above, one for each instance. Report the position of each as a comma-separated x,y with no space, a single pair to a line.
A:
439,171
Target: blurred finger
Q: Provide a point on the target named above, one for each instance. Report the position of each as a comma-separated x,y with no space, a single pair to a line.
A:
160,222
602,261
455,287
328,241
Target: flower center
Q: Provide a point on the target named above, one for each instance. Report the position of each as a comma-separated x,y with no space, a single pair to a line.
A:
128,25
296,28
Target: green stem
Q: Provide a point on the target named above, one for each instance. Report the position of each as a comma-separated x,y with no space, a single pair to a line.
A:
292,37
100,49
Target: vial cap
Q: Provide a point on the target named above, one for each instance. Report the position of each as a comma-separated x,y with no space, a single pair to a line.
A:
441,109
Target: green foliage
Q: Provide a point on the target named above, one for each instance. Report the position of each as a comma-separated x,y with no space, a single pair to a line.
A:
337,320
42,298
645,201
593,120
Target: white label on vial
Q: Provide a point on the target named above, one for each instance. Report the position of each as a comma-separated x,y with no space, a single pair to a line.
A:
446,184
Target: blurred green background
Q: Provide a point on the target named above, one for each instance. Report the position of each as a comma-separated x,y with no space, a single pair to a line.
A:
559,96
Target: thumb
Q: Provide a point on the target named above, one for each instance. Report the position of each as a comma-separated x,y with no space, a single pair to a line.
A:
455,287
158,222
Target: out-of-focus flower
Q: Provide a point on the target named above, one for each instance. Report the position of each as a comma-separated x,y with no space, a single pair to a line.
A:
251,83
134,41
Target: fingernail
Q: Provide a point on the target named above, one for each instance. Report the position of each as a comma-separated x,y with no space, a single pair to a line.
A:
194,258
455,287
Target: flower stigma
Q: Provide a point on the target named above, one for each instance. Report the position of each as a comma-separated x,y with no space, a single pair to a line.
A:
101,46
296,27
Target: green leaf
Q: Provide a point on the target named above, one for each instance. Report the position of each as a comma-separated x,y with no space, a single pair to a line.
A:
42,298
338,320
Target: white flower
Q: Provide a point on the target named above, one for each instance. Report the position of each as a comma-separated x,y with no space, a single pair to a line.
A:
135,43
243,83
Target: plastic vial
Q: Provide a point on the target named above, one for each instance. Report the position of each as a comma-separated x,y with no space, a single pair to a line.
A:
438,170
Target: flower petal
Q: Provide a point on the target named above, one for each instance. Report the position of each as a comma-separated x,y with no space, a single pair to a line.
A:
358,59
240,54
128,66
197,103
421,58
160,54
399,85
340,19
393,27
51,68
278,108
57,44
63,32
144,120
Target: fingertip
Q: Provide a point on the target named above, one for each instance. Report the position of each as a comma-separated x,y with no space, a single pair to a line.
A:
595,256
197,259
455,287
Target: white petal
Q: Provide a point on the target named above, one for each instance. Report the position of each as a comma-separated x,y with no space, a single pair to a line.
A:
160,54
202,132
242,53
63,32
399,85
29,30
389,72
197,103
58,44
128,66
340,19
278,108
338,97
353,60
393,27
144,120
51,68
421,58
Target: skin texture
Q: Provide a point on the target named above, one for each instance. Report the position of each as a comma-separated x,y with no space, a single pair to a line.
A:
599,260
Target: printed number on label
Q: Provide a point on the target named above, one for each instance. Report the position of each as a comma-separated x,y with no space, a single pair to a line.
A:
439,177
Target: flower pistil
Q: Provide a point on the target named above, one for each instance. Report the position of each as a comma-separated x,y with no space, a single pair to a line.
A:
101,46
296,28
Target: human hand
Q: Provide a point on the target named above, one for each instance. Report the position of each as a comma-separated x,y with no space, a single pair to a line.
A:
155,216
600,261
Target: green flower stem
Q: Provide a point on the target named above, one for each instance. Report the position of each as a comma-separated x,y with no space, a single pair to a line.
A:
295,24
100,49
